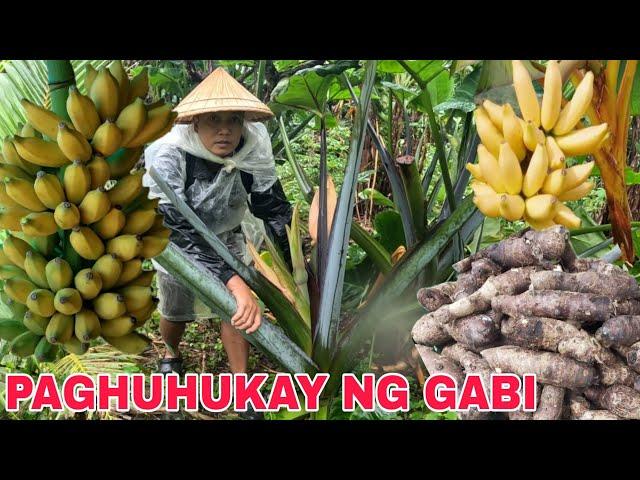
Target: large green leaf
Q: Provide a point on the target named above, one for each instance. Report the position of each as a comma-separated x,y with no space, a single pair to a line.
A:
28,79
425,69
462,98
308,89
389,227
440,89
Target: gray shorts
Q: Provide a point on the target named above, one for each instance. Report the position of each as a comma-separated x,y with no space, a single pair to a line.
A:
177,303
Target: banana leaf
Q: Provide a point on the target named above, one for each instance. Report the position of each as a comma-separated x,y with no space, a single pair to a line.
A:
332,281
269,338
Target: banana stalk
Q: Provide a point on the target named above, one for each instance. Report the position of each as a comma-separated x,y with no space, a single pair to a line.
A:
214,294
612,107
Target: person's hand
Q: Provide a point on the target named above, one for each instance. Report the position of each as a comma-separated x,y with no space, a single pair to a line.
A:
248,316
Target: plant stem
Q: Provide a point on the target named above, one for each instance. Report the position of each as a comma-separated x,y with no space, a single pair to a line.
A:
597,228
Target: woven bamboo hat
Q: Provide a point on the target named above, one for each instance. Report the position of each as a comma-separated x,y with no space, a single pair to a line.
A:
220,92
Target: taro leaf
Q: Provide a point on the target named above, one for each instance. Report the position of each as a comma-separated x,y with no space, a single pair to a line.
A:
308,89
388,224
425,69
584,242
462,98
439,89
378,198
402,93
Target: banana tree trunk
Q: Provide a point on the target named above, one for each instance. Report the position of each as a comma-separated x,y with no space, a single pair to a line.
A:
215,295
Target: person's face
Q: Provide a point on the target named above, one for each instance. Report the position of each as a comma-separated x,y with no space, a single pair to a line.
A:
220,132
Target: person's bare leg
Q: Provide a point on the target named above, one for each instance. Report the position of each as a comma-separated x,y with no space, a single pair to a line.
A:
171,335
236,346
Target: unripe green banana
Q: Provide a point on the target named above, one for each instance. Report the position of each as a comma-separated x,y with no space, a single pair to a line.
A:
35,323
45,351
25,344
10,329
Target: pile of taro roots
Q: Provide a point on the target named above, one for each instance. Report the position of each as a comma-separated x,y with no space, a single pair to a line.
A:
528,305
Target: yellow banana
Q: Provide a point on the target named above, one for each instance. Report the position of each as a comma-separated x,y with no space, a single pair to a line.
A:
89,283
107,139
131,120
109,267
539,224
489,135
59,274
125,247
152,246
139,221
18,289
22,192
149,203
75,346
162,232
511,207
76,181
35,323
118,327
94,206
577,175
158,120
143,280
40,224
42,119
60,328
87,325
109,305
68,301
82,112
119,73
536,172
554,182
541,207
565,216
133,343
99,170
141,316
40,302
67,215
111,224
73,144
90,76
35,265
556,157
4,260
576,193
10,218
15,250
126,189
576,108
583,142
532,136
11,157
512,131
48,189
525,93
105,95
5,200
40,152
490,169
495,113
158,223
510,170
130,271
27,131
136,297
86,243
10,271
486,199
552,98
474,170
139,85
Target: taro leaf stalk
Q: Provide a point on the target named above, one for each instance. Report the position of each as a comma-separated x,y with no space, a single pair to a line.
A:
326,331
287,316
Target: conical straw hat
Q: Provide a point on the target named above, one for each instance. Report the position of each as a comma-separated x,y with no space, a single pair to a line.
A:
221,92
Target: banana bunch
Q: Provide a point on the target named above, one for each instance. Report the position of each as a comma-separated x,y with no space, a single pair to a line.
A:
521,171
70,185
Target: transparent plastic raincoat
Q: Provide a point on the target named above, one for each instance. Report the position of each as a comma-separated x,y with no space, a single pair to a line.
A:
219,190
